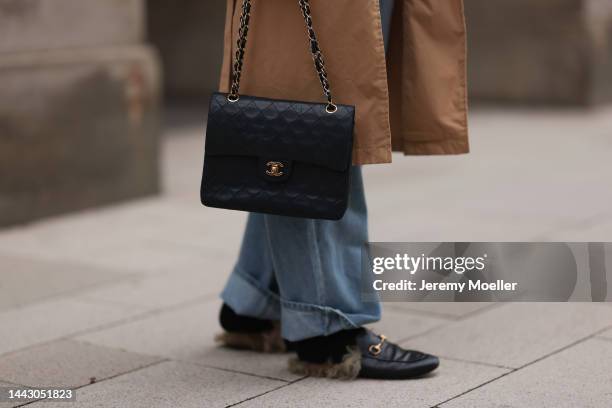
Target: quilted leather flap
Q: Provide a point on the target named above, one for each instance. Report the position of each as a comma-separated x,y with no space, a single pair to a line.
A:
270,128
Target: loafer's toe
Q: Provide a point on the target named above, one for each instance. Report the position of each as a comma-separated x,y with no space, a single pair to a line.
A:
385,360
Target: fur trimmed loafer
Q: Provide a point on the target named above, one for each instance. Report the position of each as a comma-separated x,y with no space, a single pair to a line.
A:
359,353
383,359
249,333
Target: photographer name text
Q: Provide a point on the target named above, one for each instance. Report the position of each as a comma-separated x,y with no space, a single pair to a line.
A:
471,285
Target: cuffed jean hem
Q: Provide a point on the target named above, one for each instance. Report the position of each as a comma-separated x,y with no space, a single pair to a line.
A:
246,297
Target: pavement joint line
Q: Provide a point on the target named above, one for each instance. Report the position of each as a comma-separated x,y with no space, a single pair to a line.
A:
141,316
603,338
14,383
414,336
99,300
130,273
106,379
267,392
204,248
566,347
70,292
64,295
232,371
461,360
181,360
482,310
446,324
446,316
145,314
475,388
579,225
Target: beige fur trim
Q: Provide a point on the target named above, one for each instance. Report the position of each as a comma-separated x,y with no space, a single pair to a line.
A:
265,342
348,369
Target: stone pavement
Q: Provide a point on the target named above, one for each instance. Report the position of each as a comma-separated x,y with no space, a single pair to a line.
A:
121,302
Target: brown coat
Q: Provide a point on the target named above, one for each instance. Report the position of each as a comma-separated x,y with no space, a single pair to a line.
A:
420,99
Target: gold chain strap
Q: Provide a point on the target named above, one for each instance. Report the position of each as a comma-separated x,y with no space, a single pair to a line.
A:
315,50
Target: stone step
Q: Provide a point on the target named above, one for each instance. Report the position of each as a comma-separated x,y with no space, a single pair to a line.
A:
77,129
43,24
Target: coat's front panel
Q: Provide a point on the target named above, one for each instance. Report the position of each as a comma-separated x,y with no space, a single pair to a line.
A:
278,65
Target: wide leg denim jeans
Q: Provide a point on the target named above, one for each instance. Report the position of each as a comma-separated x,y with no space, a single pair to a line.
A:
304,272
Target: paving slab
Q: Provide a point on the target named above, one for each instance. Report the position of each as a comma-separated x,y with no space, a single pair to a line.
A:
53,319
400,324
607,334
596,229
78,235
171,235
25,280
492,199
449,380
170,384
486,196
68,363
167,289
145,236
151,257
273,366
11,404
448,310
579,376
166,334
454,225
513,335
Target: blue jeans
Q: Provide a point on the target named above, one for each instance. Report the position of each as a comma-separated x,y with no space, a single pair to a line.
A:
305,273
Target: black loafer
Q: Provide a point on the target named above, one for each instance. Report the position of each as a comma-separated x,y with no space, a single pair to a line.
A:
359,353
385,360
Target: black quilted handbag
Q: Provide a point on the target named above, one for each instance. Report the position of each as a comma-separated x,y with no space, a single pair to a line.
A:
275,156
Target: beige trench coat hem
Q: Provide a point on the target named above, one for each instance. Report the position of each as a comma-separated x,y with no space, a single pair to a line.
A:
380,155
435,147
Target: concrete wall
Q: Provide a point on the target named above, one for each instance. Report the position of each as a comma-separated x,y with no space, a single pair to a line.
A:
79,106
189,36
550,52
599,17
58,24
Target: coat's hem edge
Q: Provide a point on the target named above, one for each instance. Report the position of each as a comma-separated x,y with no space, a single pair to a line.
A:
377,155
435,147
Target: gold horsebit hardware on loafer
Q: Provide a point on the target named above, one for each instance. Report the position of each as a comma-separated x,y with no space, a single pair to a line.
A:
375,349
274,169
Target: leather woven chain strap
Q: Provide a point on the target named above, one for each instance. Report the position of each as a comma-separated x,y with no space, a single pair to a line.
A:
315,50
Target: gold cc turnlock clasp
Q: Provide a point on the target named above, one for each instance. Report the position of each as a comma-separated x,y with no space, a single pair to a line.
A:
274,169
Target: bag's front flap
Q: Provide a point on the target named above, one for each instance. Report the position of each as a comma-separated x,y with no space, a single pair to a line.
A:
288,130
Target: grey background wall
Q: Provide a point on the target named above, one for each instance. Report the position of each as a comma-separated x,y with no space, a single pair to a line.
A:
189,37
547,52
79,106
